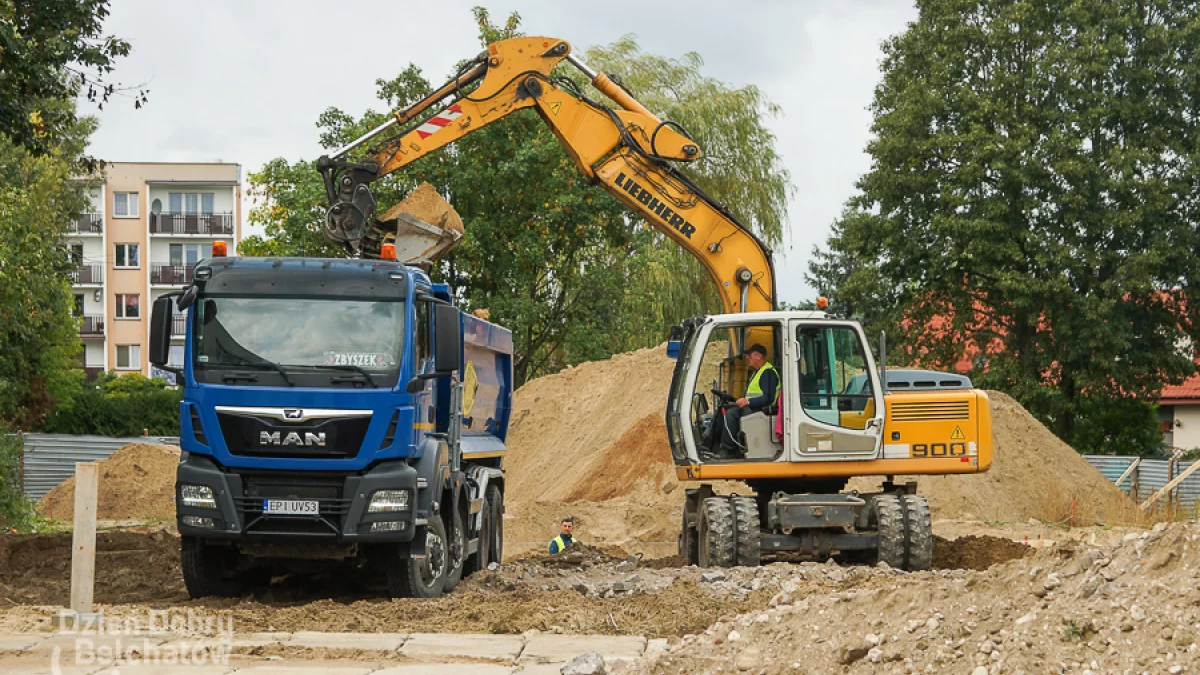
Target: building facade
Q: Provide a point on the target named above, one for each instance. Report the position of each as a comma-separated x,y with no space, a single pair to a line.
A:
147,226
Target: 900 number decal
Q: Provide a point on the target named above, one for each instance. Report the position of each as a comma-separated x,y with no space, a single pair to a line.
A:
939,450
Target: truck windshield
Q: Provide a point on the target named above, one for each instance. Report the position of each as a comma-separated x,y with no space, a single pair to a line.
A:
299,333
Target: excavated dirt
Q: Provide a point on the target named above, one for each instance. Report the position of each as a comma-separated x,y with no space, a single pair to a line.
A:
137,482
426,204
975,552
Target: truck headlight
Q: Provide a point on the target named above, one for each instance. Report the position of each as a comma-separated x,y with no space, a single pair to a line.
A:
197,495
386,501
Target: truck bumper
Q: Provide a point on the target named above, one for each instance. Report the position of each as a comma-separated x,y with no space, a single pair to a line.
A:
342,516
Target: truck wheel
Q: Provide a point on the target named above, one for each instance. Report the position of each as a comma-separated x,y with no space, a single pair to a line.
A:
209,570
495,499
456,547
714,533
918,533
412,578
889,516
745,519
689,549
482,556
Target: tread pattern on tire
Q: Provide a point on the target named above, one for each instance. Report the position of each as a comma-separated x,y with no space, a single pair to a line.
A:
890,518
495,499
748,551
719,514
918,529
402,573
203,570
453,576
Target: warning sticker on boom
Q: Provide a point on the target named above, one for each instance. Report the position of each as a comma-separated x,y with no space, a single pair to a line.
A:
958,434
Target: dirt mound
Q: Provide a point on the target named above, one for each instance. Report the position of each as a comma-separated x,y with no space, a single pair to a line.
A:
131,566
975,552
426,204
1033,475
640,454
137,482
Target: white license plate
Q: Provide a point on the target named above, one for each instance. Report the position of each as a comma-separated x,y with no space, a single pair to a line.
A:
295,507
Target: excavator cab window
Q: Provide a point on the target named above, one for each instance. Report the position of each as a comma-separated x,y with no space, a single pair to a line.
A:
834,385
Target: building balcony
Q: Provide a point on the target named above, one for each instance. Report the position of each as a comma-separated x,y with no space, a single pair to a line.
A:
179,326
171,275
86,223
87,274
92,372
91,326
211,224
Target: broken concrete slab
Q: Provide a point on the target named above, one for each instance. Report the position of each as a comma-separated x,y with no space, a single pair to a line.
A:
476,645
384,642
254,639
91,643
563,648
293,667
167,669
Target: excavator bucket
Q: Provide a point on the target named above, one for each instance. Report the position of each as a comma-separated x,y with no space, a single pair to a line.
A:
423,227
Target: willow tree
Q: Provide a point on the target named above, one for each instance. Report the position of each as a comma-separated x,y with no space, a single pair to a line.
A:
1033,201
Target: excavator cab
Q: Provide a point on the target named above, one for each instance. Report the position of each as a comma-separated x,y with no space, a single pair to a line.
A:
828,406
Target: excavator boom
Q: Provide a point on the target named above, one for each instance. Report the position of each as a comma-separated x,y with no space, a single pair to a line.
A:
626,149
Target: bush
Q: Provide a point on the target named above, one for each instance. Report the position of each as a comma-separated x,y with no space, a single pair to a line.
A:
125,405
16,512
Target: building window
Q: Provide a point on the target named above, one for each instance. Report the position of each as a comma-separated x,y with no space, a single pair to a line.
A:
186,254
75,253
126,257
128,306
191,203
125,204
129,357
78,309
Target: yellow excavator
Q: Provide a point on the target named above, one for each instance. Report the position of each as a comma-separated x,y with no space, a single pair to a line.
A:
833,414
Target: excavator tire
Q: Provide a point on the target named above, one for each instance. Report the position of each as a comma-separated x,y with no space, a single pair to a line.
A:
745,518
714,533
689,549
918,533
889,515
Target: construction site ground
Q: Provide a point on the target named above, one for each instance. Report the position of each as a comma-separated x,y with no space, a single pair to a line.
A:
1040,566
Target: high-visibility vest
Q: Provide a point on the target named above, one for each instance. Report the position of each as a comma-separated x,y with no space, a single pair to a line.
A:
561,544
754,389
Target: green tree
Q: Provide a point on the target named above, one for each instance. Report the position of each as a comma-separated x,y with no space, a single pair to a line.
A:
38,335
568,268
51,52
119,406
1034,194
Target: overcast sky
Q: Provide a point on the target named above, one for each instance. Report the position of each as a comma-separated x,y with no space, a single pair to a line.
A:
242,81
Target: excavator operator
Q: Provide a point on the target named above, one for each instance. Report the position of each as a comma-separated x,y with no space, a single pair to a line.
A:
760,394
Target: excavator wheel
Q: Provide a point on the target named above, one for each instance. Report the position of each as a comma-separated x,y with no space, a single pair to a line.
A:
714,533
918,527
889,518
745,518
688,546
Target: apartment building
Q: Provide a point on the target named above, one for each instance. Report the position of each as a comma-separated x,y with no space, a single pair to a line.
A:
147,226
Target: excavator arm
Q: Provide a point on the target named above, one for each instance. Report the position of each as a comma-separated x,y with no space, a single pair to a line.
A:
626,150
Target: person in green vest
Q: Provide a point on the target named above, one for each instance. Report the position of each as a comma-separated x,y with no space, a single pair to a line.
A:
565,537
760,394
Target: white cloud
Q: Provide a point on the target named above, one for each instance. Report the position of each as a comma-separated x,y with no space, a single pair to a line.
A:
245,81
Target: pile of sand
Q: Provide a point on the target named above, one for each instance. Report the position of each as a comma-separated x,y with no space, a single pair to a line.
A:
137,482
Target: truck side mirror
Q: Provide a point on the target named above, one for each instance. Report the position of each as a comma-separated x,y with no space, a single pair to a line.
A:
447,339
160,330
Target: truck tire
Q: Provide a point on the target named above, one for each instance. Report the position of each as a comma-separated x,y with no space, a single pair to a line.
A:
495,499
456,549
889,518
918,533
483,554
749,530
714,533
689,549
412,578
209,570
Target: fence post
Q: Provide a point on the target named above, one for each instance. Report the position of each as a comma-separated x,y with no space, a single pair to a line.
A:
83,550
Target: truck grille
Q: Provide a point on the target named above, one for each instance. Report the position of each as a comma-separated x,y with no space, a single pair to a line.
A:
343,437
922,411
328,493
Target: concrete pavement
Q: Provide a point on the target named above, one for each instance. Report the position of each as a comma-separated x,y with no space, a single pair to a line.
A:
286,653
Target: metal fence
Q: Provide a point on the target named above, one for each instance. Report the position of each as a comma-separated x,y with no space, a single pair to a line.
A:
1149,477
49,459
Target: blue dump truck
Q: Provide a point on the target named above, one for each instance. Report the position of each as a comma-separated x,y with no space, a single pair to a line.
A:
336,412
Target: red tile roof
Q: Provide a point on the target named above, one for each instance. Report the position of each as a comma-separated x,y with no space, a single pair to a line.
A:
1188,392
